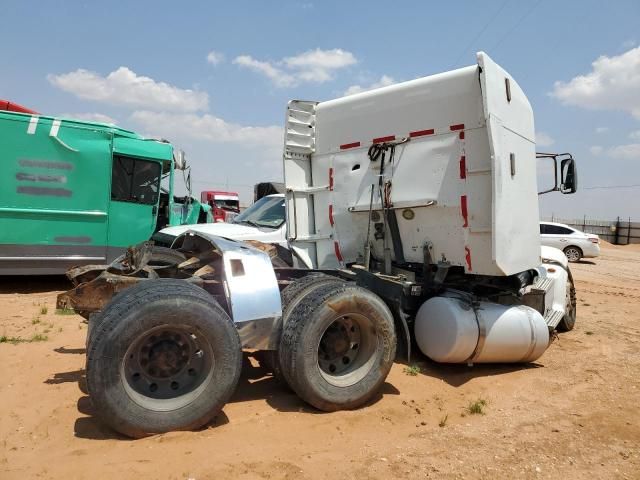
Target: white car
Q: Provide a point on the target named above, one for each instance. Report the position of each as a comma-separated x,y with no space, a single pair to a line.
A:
574,243
263,221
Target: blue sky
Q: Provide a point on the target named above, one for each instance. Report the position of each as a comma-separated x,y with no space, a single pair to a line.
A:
215,77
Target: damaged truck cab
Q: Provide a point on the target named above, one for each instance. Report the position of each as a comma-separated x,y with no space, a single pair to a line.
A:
76,193
412,219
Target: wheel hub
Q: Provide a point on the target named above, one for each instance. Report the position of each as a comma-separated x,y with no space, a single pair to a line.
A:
166,357
339,346
166,363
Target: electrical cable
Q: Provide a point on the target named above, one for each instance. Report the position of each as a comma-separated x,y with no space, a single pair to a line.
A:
486,25
495,45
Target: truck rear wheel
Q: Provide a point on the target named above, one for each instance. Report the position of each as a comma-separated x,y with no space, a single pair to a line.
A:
160,257
290,296
569,320
163,256
338,346
166,356
297,289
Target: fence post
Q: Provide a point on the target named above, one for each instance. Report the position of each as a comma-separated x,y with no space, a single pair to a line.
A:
629,231
584,222
616,238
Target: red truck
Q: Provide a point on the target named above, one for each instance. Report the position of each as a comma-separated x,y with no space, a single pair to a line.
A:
225,205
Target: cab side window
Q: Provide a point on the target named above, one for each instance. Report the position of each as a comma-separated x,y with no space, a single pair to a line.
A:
135,180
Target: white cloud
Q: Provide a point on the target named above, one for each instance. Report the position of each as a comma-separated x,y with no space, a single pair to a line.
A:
384,81
317,65
602,129
89,117
313,66
625,152
275,74
612,84
207,127
215,58
544,139
596,150
124,87
629,43
630,151
635,135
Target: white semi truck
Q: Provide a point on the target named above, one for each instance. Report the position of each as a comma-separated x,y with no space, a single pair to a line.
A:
412,217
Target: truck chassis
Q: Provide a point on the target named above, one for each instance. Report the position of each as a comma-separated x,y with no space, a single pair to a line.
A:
165,340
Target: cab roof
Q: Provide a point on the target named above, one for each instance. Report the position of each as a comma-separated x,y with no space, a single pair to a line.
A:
124,141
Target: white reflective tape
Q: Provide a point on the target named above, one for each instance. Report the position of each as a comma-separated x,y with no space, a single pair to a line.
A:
55,126
33,124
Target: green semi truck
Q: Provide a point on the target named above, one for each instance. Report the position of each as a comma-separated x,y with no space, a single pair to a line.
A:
75,192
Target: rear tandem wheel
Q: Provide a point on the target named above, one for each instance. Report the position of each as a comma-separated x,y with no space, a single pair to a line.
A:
338,346
290,297
165,356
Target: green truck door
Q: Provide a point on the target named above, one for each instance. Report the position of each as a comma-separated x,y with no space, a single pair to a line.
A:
54,195
135,191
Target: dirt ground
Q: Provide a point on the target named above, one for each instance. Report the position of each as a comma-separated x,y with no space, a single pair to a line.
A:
575,413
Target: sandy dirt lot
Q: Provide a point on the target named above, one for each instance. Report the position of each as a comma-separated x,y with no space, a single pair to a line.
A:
575,413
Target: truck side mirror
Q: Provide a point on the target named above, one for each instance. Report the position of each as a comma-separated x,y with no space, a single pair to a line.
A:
179,160
568,176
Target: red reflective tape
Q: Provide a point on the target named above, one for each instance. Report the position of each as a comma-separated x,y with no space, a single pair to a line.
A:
336,247
463,167
331,179
467,257
460,126
390,138
421,133
331,215
349,145
462,135
463,209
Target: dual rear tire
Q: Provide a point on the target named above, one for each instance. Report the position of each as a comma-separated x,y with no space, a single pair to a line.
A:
164,355
338,344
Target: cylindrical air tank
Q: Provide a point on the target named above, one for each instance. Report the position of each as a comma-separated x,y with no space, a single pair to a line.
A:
449,329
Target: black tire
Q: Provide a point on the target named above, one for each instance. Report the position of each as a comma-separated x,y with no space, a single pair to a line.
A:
272,364
290,297
92,326
573,253
338,346
290,294
163,256
160,257
170,334
569,320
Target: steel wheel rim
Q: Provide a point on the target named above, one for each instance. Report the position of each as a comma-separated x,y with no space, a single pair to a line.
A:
570,302
346,350
572,254
167,367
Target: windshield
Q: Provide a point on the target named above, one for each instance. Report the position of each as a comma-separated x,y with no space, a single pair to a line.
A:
267,212
233,205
